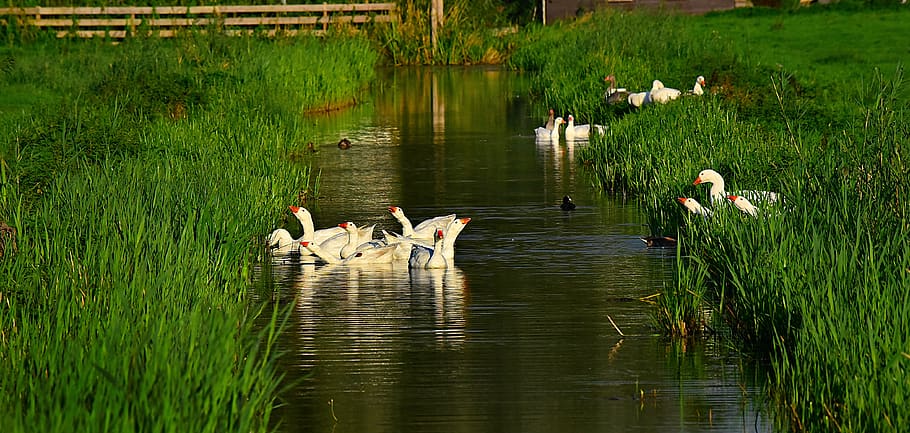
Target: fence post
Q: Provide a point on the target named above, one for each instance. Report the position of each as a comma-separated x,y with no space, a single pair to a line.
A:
436,17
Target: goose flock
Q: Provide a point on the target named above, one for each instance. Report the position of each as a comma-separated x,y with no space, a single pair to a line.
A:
572,132
742,200
657,94
428,245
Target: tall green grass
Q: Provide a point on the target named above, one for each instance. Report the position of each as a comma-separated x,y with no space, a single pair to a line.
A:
140,212
473,33
818,283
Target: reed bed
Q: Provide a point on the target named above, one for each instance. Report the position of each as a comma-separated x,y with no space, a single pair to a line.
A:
819,285
139,214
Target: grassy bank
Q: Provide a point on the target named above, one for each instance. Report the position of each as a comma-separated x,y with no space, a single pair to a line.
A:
141,179
820,283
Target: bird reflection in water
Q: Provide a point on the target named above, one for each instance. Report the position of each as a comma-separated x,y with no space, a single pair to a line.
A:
449,290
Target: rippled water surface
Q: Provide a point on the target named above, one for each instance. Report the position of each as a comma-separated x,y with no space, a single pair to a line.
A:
516,336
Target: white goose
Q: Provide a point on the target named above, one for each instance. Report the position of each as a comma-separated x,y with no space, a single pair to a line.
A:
355,239
376,255
743,204
309,230
697,89
280,242
425,229
694,206
451,233
552,134
718,193
638,99
428,258
663,94
574,131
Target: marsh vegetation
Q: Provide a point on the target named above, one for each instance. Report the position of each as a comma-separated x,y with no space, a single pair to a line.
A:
141,177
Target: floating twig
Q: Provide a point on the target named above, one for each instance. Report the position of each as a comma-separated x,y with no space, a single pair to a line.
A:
332,405
614,326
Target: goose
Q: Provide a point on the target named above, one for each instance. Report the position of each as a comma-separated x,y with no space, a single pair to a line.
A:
663,94
355,239
614,95
718,193
280,241
567,203
451,233
638,99
309,231
428,258
743,204
377,255
694,206
425,229
574,131
697,89
550,121
544,133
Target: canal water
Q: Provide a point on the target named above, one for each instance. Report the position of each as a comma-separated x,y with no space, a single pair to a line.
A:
516,336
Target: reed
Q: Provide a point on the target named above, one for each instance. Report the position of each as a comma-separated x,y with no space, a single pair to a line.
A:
139,217
818,283
474,33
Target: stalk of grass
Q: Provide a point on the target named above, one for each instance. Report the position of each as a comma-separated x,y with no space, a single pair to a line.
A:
126,305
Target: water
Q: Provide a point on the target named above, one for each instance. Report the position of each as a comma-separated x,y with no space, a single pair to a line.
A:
516,337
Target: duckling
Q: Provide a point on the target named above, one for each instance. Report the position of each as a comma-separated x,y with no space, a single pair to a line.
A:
567,203
344,144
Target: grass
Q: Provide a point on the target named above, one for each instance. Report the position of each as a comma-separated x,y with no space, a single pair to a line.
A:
819,283
141,187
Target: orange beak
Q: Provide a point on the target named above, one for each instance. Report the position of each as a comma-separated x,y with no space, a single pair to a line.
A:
393,209
304,243
294,209
732,197
465,220
343,225
682,199
697,180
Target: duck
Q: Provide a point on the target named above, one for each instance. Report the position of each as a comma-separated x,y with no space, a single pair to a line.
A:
552,134
423,257
425,229
659,241
718,193
344,144
743,204
694,206
567,204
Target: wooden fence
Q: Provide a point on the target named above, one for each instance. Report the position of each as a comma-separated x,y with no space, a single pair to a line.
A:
166,21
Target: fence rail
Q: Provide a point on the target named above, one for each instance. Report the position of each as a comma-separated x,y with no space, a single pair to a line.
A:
166,21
